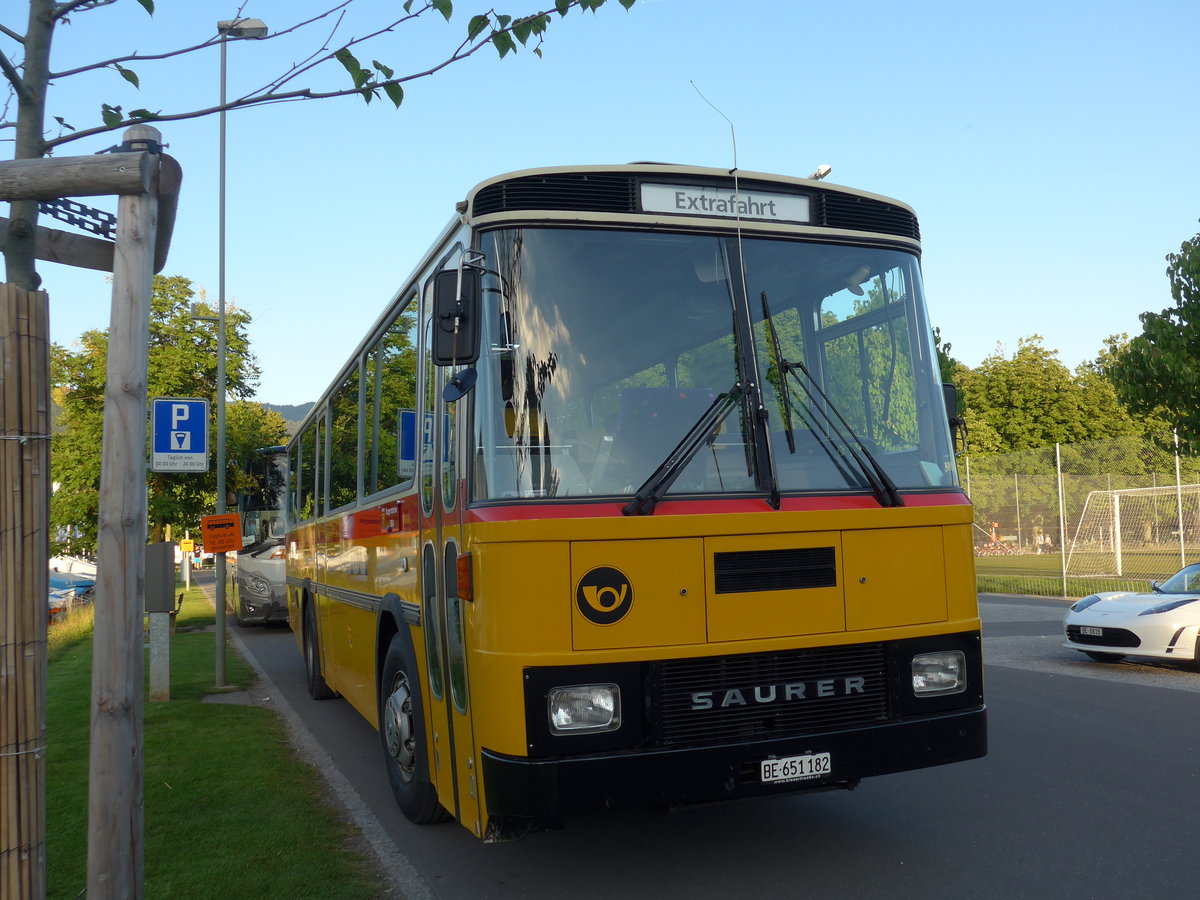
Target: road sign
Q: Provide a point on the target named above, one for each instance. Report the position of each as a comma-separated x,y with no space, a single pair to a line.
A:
222,532
180,435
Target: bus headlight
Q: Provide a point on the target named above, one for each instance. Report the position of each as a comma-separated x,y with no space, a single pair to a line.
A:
256,585
582,708
941,672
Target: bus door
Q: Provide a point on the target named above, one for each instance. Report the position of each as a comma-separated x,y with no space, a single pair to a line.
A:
454,770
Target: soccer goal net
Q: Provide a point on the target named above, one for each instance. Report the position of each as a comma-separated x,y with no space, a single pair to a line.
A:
1135,532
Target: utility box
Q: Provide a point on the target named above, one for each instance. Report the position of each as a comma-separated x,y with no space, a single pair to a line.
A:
160,577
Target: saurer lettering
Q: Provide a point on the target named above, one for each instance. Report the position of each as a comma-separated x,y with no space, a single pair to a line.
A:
778,693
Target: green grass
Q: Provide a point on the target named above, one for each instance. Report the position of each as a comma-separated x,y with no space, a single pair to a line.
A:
229,809
1041,574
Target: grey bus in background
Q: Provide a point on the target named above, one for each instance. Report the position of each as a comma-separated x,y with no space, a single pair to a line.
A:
256,592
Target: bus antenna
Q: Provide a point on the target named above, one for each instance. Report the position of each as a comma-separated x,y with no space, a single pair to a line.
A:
732,131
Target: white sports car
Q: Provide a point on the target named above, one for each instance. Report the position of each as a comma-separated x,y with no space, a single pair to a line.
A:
1164,622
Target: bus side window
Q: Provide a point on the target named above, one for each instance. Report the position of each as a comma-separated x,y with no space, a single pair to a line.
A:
293,479
343,438
306,503
390,391
322,467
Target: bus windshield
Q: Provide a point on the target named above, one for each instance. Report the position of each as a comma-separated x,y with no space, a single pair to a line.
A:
603,348
261,499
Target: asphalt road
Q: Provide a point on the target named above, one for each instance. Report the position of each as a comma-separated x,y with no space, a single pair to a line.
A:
1090,789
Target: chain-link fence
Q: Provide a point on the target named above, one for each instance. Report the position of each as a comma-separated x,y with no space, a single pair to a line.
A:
1073,519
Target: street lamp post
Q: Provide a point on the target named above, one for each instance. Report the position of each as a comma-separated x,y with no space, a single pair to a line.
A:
227,28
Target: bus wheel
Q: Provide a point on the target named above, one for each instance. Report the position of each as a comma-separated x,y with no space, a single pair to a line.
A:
400,727
317,687
1104,657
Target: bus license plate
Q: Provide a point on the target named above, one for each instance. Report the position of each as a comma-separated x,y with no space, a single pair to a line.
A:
1092,630
796,768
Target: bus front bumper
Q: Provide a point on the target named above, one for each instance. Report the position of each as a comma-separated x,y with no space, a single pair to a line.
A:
526,795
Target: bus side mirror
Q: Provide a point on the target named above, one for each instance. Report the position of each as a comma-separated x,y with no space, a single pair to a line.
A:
958,425
950,396
456,306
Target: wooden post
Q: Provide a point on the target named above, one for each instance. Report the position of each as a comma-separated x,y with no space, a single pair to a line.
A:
143,177
115,822
24,547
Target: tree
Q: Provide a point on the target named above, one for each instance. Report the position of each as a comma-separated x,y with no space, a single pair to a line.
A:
1157,373
30,77
250,427
182,363
947,364
1033,400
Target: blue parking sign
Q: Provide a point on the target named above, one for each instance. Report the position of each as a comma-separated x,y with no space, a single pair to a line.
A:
179,435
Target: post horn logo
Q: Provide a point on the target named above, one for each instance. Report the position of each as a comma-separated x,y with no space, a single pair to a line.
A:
604,595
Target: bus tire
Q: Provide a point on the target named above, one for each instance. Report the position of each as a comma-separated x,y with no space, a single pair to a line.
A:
317,688
402,732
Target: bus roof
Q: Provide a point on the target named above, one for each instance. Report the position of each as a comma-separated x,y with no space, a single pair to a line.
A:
656,194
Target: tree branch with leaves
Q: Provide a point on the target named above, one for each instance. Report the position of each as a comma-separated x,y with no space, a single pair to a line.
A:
25,67
1158,371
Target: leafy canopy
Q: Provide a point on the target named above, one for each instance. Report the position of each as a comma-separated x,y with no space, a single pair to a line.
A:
1158,372
182,363
1032,400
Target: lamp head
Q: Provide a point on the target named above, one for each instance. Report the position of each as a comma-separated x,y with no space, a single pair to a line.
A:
242,28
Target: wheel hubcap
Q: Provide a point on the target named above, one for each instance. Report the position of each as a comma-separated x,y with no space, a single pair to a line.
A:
398,728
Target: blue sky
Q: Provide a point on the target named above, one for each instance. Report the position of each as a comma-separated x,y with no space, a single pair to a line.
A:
1049,148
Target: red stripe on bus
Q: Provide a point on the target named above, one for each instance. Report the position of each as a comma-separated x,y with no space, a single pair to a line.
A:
517,512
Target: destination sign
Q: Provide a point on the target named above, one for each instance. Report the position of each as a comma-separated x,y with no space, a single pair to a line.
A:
698,200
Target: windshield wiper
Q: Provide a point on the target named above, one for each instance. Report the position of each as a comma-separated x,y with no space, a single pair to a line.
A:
881,483
700,434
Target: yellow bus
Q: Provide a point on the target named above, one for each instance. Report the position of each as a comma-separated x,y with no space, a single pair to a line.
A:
641,492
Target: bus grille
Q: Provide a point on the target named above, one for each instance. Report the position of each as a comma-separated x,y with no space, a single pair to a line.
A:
587,192
748,694
774,570
617,193
865,214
